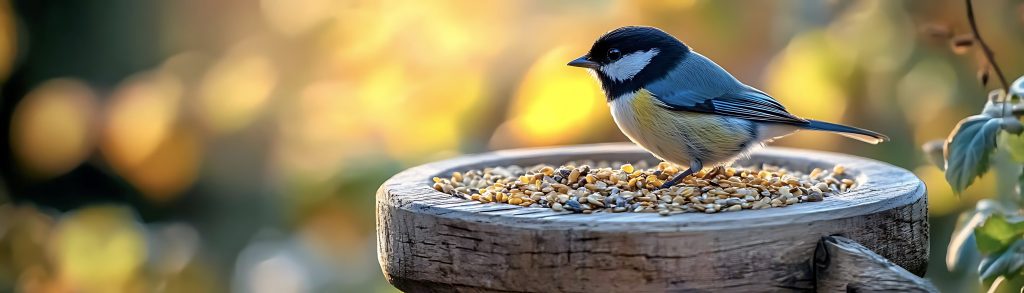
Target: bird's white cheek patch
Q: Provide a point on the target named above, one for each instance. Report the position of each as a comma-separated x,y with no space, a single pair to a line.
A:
594,74
628,66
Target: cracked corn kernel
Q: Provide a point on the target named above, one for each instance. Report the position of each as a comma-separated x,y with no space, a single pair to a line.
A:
628,168
838,170
456,177
574,175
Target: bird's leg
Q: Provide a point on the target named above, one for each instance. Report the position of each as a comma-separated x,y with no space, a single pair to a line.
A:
695,166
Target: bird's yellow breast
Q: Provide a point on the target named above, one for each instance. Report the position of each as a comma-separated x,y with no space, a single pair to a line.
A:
680,136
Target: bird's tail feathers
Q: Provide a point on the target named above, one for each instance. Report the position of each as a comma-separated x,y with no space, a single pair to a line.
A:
864,135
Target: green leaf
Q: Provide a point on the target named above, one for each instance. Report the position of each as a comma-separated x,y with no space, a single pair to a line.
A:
993,266
968,148
996,234
1002,264
1013,144
962,249
962,244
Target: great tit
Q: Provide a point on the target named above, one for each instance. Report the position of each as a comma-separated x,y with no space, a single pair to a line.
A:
684,108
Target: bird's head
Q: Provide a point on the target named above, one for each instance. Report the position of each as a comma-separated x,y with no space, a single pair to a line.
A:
627,58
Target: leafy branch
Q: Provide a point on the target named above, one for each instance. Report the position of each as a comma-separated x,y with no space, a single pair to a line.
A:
995,229
967,150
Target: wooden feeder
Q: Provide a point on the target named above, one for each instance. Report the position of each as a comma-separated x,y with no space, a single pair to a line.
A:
429,241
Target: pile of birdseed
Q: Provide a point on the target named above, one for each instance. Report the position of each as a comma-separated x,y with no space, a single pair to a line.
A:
580,188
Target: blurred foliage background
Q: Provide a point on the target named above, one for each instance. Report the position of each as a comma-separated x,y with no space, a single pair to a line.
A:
236,145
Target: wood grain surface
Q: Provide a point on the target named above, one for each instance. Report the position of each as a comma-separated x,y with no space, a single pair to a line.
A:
843,265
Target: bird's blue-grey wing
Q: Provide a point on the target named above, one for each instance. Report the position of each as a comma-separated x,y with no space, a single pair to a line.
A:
700,85
750,105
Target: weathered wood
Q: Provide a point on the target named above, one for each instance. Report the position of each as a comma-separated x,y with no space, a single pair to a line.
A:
429,243
843,265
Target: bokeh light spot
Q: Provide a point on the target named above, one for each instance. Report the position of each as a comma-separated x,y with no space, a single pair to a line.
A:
554,103
879,34
925,92
140,116
99,248
171,168
8,39
296,16
804,77
312,128
52,128
236,89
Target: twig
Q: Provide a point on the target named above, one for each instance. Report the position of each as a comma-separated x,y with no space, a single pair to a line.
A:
984,47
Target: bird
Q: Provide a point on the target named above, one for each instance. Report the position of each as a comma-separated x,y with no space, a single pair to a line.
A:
684,108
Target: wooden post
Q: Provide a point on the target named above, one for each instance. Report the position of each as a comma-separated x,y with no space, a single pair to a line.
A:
431,242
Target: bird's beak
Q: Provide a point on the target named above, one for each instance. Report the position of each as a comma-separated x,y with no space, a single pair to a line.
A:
584,62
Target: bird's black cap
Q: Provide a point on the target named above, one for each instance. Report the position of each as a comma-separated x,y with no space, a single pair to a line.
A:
632,39
629,39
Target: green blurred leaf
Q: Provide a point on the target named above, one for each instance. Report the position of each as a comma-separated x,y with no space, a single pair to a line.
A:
962,249
1013,144
991,267
968,149
996,234
1002,264
962,245
1017,88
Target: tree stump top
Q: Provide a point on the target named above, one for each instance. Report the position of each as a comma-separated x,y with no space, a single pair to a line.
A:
412,189
428,240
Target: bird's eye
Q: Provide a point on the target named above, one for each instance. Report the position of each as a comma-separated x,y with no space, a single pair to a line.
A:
614,54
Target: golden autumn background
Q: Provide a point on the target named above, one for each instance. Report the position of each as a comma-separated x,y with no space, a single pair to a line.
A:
236,145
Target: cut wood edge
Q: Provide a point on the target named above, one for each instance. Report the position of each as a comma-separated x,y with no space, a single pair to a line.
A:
843,265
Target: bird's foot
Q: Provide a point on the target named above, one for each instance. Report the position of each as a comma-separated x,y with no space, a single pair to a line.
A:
694,167
678,178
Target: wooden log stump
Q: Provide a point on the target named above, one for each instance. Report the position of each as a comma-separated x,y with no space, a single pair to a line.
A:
432,242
